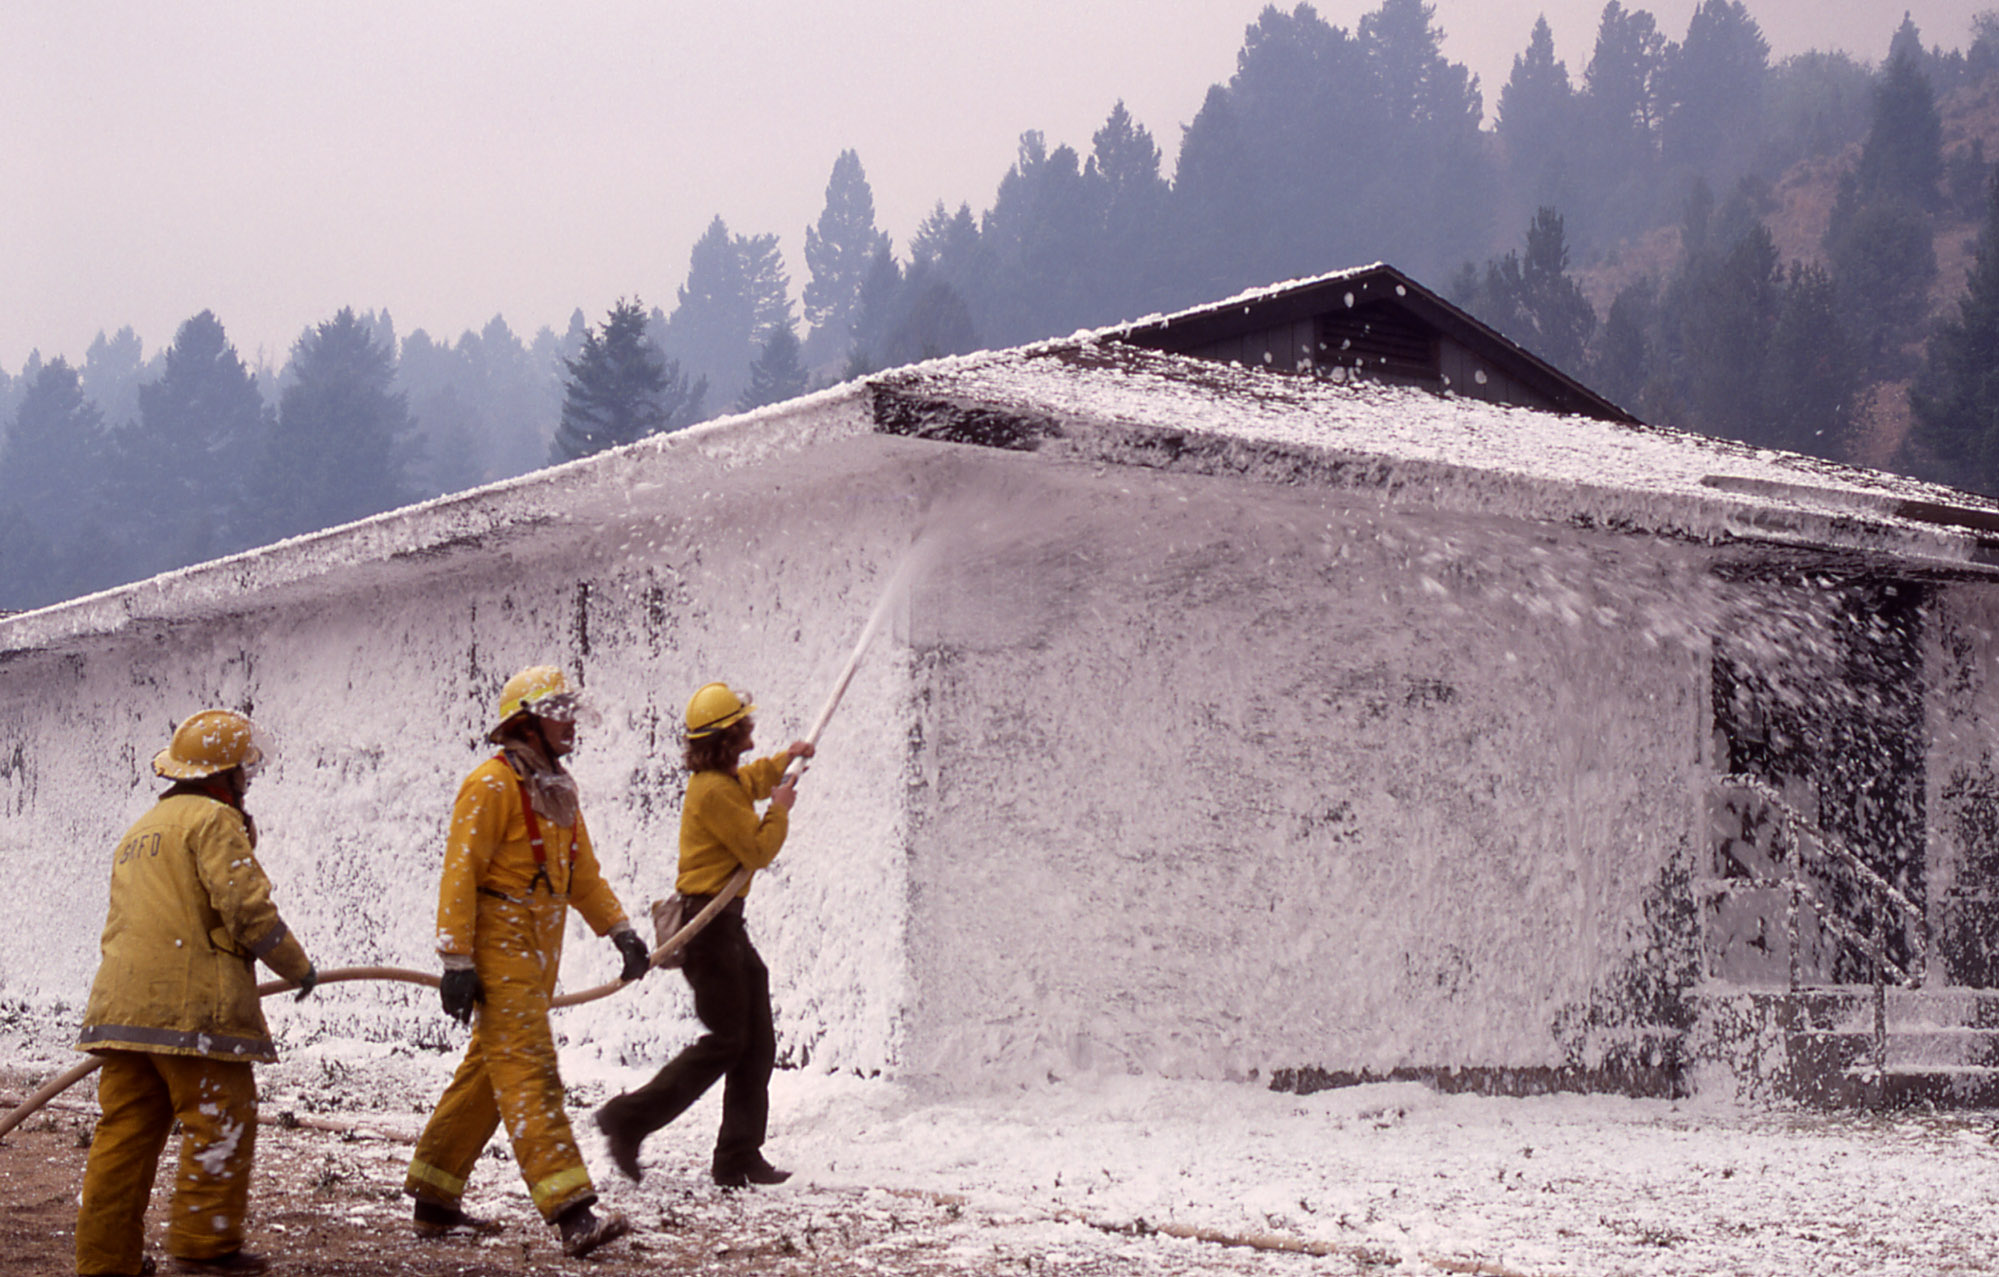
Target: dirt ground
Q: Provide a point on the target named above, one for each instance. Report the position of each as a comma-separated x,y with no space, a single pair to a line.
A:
327,1204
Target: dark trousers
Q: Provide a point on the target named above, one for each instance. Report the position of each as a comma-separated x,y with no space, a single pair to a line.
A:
732,996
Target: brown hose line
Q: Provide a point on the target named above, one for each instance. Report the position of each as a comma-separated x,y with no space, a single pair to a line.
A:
678,940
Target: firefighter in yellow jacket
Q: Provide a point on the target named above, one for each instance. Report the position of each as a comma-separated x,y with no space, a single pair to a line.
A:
720,832
174,1011
516,857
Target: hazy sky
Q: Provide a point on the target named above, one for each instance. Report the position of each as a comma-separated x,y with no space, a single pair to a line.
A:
449,160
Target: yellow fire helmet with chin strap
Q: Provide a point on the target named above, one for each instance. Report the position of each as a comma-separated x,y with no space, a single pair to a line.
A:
209,742
715,708
539,689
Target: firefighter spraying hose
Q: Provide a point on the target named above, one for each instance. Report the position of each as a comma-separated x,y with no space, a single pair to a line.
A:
912,564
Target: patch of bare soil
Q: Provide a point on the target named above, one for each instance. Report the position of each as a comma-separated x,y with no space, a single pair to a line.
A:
329,1204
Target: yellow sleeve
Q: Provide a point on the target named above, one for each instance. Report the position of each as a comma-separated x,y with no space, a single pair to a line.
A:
727,814
762,776
240,893
588,891
478,822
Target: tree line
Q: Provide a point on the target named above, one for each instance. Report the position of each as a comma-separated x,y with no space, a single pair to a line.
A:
1733,340
1327,147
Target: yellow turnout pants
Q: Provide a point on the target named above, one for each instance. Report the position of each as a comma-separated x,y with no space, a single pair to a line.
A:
140,1095
509,1070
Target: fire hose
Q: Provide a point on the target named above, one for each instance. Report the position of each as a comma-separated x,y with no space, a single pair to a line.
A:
339,975
673,944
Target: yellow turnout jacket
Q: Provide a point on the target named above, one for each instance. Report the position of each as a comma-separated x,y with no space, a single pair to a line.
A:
487,849
720,829
190,915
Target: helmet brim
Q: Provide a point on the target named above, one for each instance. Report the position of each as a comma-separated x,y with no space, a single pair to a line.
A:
168,767
720,725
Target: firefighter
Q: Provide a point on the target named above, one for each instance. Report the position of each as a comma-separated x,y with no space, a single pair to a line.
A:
720,831
516,857
174,1013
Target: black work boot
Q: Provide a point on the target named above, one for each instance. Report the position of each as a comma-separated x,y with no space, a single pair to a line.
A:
435,1220
621,1144
583,1230
745,1173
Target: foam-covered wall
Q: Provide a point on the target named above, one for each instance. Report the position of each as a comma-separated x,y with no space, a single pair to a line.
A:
1222,779
379,691
1963,787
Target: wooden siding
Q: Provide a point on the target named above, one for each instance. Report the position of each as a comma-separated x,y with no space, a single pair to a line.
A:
1464,373
1295,348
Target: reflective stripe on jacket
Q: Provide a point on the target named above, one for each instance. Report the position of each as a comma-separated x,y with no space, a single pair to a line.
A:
719,827
487,849
190,915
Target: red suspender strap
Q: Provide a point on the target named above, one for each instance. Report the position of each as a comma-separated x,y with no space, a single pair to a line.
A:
534,833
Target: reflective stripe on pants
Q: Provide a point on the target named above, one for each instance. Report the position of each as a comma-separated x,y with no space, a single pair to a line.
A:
509,1070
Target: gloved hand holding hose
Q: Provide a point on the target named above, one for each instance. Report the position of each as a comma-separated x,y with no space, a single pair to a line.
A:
638,959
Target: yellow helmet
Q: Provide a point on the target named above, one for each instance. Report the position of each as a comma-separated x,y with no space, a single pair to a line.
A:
714,708
209,742
541,688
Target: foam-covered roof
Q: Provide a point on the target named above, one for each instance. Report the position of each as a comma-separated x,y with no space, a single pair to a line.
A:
1092,398
1096,399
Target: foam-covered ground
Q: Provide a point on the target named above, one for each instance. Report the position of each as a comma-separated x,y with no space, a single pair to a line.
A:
1121,1174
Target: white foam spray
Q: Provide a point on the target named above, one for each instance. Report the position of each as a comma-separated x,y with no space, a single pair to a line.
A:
914,563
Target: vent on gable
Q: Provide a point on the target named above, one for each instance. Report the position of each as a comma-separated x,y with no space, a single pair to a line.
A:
1379,339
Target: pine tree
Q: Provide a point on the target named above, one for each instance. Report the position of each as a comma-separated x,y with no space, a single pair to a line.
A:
29,575
777,375
1537,119
184,463
1123,188
1810,376
736,296
1724,311
1955,396
1532,298
1280,172
1816,103
53,463
344,439
1617,121
1883,254
1039,234
1712,88
1438,197
948,243
484,406
1554,303
621,388
1621,362
55,495
1212,224
1903,155
875,314
837,252
113,370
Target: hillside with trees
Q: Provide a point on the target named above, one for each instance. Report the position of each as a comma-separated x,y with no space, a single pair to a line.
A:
1773,250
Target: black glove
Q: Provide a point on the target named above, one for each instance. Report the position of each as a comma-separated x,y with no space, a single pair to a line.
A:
638,959
306,982
459,990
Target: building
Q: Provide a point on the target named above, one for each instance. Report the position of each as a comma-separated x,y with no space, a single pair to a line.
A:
1305,688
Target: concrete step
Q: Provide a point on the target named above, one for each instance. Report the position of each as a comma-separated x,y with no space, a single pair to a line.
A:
1850,1008
1943,1086
1942,1046
1929,1048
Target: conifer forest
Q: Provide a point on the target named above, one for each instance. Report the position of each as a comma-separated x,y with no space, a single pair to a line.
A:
1798,253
